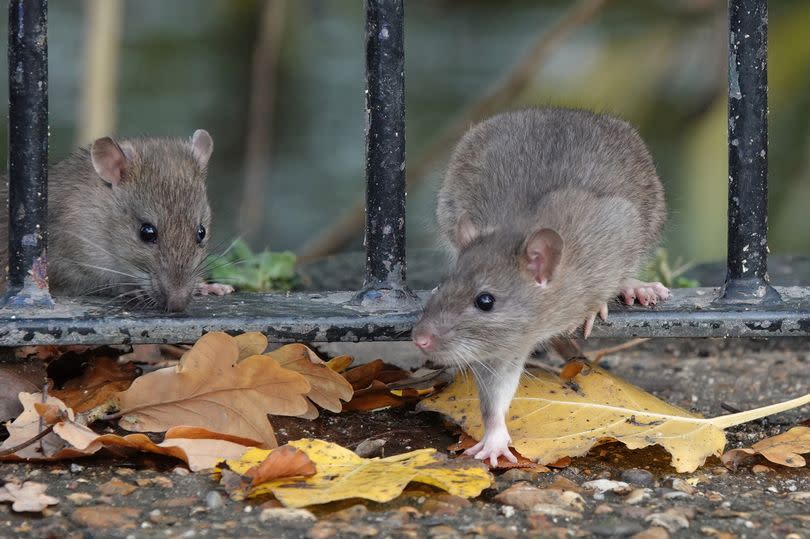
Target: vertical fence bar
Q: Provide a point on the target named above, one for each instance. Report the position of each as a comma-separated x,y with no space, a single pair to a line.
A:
747,263
385,152
28,152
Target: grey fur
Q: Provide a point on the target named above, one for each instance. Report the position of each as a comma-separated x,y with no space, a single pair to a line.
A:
94,228
587,176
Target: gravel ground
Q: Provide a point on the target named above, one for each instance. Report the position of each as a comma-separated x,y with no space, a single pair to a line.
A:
156,498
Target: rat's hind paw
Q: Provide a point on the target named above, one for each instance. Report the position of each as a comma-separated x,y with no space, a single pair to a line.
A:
603,314
492,446
203,289
645,293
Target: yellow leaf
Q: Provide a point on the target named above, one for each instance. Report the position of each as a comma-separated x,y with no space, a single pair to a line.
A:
549,419
342,474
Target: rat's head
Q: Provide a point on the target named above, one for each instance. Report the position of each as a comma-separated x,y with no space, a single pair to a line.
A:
489,305
155,239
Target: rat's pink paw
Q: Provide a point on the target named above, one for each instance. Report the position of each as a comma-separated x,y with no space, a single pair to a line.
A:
645,293
493,445
588,327
203,289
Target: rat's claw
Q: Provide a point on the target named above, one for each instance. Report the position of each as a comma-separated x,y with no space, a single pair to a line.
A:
586,331
603,312
588,327
203,289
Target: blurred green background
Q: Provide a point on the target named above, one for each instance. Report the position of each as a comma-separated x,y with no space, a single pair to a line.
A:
661,64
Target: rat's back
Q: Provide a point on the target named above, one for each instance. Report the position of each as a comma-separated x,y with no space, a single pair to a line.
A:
503,167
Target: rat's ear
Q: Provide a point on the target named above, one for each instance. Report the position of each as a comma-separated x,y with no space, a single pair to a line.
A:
110,159
201,146
466,231
543,251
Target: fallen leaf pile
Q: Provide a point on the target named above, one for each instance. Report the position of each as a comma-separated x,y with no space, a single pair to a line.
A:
199,448
551,418
341,474
785,449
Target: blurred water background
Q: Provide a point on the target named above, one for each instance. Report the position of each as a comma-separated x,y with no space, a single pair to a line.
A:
661,64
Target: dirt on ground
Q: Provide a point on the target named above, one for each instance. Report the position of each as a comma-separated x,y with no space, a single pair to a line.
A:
156,497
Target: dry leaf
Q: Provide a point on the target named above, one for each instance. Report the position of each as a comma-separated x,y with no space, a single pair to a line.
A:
342,475
102,379
285,461
376,397
50,413
339,363
29,424
251,344
28,497
185,444
327,388
785,449
549,419
15,378
392,375
361,377
210,388
571,369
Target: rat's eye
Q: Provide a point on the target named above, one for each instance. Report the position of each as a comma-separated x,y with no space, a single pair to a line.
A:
148,233
485,301
200,233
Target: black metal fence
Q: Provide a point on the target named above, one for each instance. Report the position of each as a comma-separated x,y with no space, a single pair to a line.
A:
385,309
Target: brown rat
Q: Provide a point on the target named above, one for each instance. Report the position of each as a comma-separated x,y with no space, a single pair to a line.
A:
547,214
130,218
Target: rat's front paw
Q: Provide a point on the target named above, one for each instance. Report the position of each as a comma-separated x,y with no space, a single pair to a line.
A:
644,293
492,446
217,289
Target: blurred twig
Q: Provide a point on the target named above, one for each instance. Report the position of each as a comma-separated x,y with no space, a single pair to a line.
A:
102,47
260,118
343,229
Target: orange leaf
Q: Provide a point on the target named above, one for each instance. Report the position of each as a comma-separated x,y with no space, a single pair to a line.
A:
286,461
571,369
375,397
362,376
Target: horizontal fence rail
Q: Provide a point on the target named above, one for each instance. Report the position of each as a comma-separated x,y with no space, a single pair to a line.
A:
385,309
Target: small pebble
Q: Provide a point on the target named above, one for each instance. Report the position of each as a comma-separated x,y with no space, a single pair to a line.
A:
76,468
620,529
636,476
213,500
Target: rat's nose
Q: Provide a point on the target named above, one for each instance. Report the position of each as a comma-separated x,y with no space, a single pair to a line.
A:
423,339
177,301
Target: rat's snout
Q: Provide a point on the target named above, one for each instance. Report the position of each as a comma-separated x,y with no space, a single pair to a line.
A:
177,301
423,338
